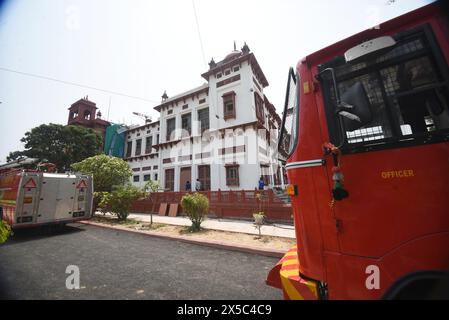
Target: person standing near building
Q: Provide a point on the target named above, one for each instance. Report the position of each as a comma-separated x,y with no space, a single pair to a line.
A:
261,183
188,186
198,185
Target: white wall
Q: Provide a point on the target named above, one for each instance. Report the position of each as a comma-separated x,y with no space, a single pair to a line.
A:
193,107
245,109
143,133
249,161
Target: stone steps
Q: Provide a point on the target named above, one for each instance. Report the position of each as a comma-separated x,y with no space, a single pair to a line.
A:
281,195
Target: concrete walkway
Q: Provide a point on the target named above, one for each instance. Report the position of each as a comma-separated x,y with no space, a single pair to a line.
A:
276,230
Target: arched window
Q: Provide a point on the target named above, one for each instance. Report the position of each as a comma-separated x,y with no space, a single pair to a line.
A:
74,115
87,115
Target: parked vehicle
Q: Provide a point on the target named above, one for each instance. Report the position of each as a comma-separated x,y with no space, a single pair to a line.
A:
367,160
30,198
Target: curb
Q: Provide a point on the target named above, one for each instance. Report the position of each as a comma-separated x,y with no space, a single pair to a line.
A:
139,218
208,243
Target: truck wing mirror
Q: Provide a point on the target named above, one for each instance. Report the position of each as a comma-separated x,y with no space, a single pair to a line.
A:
355,108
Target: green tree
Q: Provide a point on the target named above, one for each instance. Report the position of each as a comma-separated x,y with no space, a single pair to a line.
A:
120,199
196,206
58,144
150,187
14,155
81,143
107,171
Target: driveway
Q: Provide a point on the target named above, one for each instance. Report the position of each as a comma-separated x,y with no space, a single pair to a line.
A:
122,265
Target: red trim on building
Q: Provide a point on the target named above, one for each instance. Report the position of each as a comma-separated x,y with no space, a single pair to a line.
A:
146,156
166,144
182,98
144,127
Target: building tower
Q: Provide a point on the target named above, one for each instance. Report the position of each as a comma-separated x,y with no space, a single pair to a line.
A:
83,113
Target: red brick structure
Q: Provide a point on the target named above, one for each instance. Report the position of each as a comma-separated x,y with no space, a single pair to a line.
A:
83,113
222,204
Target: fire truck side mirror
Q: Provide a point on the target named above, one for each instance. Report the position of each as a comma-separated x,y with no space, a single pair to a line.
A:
355,108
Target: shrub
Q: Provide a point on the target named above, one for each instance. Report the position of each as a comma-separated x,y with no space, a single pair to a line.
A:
101,201
5,231
196,206
106,171
120,199
259,216
259,221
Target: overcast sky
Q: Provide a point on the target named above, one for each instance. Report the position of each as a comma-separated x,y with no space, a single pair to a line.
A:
141,48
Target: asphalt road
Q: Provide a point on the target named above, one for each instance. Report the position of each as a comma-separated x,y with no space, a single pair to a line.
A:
121,265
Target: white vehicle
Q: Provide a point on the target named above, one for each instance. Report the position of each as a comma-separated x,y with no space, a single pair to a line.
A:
31,198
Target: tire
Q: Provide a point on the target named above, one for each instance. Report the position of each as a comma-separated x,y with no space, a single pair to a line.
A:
423,285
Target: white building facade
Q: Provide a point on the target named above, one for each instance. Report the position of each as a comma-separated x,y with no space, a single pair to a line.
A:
140,154
223,133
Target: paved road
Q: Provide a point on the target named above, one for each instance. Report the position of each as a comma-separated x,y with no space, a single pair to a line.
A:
122,265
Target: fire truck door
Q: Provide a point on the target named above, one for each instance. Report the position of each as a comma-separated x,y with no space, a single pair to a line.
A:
65,198
47,200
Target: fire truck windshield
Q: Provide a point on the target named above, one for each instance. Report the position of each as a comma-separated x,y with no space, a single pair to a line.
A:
289,129
407,91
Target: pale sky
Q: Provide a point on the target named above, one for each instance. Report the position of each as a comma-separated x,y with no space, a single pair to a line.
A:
141,48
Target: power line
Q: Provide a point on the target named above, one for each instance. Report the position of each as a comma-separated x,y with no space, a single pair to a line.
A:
76,84
199,33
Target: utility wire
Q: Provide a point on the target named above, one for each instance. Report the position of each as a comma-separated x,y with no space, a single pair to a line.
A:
199,33
76,84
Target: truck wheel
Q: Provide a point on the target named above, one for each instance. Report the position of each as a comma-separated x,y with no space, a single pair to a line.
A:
423,285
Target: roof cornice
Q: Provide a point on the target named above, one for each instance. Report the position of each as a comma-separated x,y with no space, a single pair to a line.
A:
182,97
250,57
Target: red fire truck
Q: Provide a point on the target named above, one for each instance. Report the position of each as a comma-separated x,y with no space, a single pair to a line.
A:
30,197
367,159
